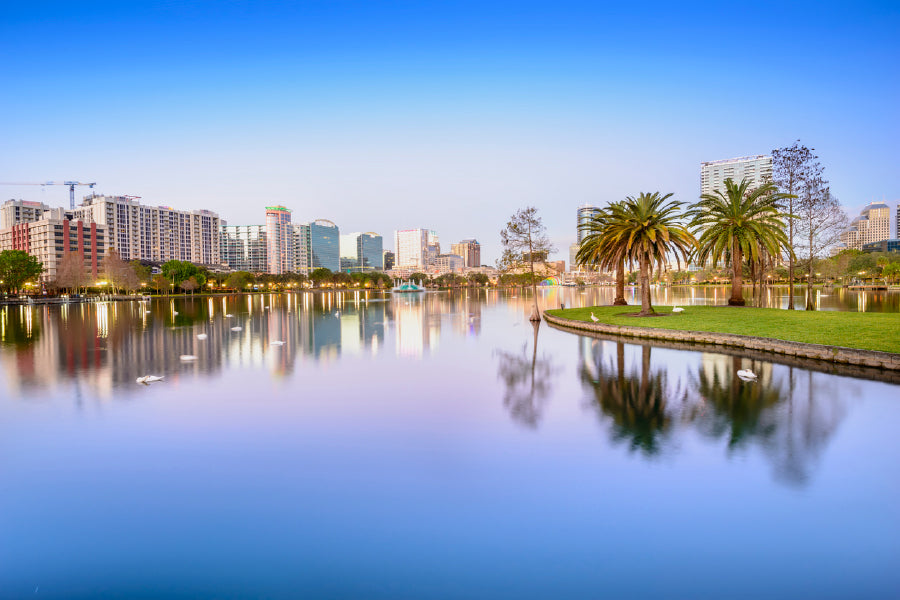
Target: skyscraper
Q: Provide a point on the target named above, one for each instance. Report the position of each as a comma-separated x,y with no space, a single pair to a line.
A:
758,169
470,250
324,245
244,248
872,225
586,212
279,240
361,252
415,248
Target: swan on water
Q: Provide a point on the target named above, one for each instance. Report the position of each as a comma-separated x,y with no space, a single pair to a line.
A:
201,336
747,375
150,379
276,343
236,328
187,357
228,316
593,318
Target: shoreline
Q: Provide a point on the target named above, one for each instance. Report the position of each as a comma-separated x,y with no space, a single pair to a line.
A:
826,353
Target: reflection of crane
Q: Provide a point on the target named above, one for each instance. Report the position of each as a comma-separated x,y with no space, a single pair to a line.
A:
71,185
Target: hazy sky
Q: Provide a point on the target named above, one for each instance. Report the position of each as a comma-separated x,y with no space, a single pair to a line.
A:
445,115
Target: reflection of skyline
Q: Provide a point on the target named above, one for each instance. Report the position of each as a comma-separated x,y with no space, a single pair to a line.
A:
106,345
649,406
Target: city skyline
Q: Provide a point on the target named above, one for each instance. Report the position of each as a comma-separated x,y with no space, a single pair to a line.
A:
381,118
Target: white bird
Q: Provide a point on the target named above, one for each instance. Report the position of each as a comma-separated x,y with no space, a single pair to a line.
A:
228,316
201,336
174,312
747,375
337,313
593,318
276,343
150,379
236,328
677,309
187,357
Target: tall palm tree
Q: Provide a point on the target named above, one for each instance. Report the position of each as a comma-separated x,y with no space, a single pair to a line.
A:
737,223
645,230
596,249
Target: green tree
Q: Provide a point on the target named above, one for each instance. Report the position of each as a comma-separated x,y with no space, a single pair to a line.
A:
159,283
180,271
645,230
17,267
478,279
320,276
525,238
599,249
238,280
737,223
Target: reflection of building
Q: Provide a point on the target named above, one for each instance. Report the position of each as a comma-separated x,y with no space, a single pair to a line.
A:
279,240
758,169
51,236
872,225
154,233
243,248
470,250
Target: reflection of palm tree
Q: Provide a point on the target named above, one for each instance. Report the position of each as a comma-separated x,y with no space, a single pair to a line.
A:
636,402
737,407
528,382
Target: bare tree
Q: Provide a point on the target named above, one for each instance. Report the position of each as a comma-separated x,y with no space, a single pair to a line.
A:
821,219
792,167
119,273
71,273
524,240
189,285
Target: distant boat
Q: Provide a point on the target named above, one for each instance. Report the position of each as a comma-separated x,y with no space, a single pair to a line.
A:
407,287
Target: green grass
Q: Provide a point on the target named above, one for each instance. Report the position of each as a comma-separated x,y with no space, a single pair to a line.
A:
863,331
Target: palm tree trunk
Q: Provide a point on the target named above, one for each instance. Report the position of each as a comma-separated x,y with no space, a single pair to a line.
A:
646,309
620,285
737,265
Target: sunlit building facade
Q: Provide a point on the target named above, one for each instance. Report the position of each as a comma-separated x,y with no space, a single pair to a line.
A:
415,248
153,233
872,225
585,213
279,240
361,252
244,248
758,169
470,250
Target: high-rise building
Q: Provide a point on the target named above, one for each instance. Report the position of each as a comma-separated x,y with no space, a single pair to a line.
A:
279,240
388,260
585,213
416,248
301,248
361,252
244,248
16,212
573,262
52,237
323,245
758,169
153,233
872,225
470,250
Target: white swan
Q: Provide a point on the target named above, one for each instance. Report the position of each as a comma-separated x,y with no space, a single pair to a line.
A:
187,357
201,336
149,379
747,375
174,312
337,313
228,315
276,343
677,309
593,318
236,328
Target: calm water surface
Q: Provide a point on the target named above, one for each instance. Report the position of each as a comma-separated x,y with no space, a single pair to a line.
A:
430,447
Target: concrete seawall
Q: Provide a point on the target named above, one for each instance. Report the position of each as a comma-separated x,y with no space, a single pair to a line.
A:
835,354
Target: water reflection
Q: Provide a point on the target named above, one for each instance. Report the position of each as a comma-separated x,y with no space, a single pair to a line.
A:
527,381
787,414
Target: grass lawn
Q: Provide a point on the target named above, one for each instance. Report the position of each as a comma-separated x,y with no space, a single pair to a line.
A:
864,331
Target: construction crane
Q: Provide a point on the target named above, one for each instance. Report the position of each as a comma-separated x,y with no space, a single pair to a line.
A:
71,185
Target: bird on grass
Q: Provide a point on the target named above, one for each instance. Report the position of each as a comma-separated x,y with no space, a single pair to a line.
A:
593,318
677,309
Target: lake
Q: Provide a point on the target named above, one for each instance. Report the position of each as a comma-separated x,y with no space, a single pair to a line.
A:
433,446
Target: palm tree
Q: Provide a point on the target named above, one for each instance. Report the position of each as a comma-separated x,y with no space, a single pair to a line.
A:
644,230
597,250
741,222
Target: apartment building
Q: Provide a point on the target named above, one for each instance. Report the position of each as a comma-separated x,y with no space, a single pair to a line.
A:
756,168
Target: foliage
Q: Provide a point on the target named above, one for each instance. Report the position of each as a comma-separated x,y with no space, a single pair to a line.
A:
524,239
181,271
739,222
238,280
600,249
71,273
645,230
320,276
160,282
119,273
17,267
793,167
477,279
865,331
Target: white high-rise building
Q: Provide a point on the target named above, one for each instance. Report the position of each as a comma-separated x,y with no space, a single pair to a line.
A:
416,248
154,233
586,212
872,225
279,240
756,168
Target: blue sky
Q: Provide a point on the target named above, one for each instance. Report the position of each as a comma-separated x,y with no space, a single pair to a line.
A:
446,115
